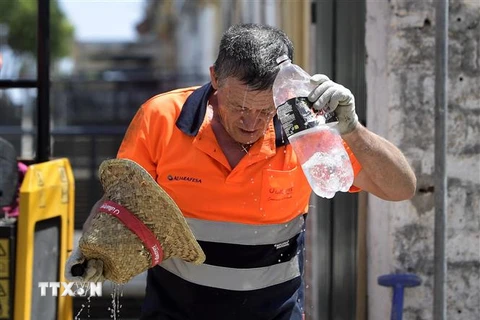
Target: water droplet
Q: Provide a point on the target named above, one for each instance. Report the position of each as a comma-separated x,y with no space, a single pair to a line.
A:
88,307
116,293
77,316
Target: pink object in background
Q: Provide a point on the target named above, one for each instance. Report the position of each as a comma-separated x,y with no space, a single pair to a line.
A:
13,210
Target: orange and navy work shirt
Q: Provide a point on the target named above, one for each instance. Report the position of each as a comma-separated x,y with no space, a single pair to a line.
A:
249,220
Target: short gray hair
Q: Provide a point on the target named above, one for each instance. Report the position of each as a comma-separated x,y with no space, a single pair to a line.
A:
249,52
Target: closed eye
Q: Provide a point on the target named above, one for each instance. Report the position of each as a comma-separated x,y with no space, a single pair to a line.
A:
268,111
240,108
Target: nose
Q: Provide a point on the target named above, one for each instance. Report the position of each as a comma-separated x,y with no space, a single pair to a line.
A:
250,120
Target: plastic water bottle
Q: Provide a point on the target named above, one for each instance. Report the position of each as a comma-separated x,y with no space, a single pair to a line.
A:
314,137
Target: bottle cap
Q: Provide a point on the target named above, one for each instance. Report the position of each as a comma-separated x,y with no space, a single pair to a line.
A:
282,59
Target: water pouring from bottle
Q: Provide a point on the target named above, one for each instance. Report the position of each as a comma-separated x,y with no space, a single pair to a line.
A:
314,137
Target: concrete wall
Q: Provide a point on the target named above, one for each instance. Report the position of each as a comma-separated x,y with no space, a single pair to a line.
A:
400,40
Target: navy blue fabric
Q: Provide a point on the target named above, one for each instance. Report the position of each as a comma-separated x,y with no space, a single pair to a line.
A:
193,110
245,256
169,297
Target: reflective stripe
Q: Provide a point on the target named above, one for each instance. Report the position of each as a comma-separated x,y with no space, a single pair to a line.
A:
237,233
233,279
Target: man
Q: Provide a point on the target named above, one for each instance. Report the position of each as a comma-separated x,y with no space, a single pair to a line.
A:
220,152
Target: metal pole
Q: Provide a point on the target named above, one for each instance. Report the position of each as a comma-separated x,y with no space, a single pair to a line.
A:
441,112
324,63
43,75
324,37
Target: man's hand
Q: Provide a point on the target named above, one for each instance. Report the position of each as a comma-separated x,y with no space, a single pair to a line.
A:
329,96
93,270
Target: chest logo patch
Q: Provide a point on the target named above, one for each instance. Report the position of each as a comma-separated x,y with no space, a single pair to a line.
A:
184,178
280,194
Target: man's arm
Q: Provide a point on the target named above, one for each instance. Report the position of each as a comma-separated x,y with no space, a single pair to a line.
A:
385,171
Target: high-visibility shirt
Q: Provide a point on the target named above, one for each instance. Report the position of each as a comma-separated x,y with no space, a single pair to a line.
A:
249,220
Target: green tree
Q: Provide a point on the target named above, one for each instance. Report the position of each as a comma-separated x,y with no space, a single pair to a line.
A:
21,18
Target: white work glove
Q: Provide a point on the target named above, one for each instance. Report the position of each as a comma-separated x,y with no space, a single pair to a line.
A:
329,96
93,268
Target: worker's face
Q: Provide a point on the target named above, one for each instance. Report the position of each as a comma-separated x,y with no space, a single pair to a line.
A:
245,114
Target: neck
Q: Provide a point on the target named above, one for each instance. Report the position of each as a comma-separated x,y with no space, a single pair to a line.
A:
245,147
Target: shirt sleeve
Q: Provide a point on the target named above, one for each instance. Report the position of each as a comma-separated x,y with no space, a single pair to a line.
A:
135,145
357,167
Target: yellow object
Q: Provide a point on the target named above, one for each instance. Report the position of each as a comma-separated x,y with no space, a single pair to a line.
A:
46,192
295,17
4,259
4,299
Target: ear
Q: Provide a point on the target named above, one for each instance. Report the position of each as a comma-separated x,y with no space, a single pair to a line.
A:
213,78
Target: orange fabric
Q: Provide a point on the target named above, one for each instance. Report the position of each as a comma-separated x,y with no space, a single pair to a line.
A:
266,187
355,165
